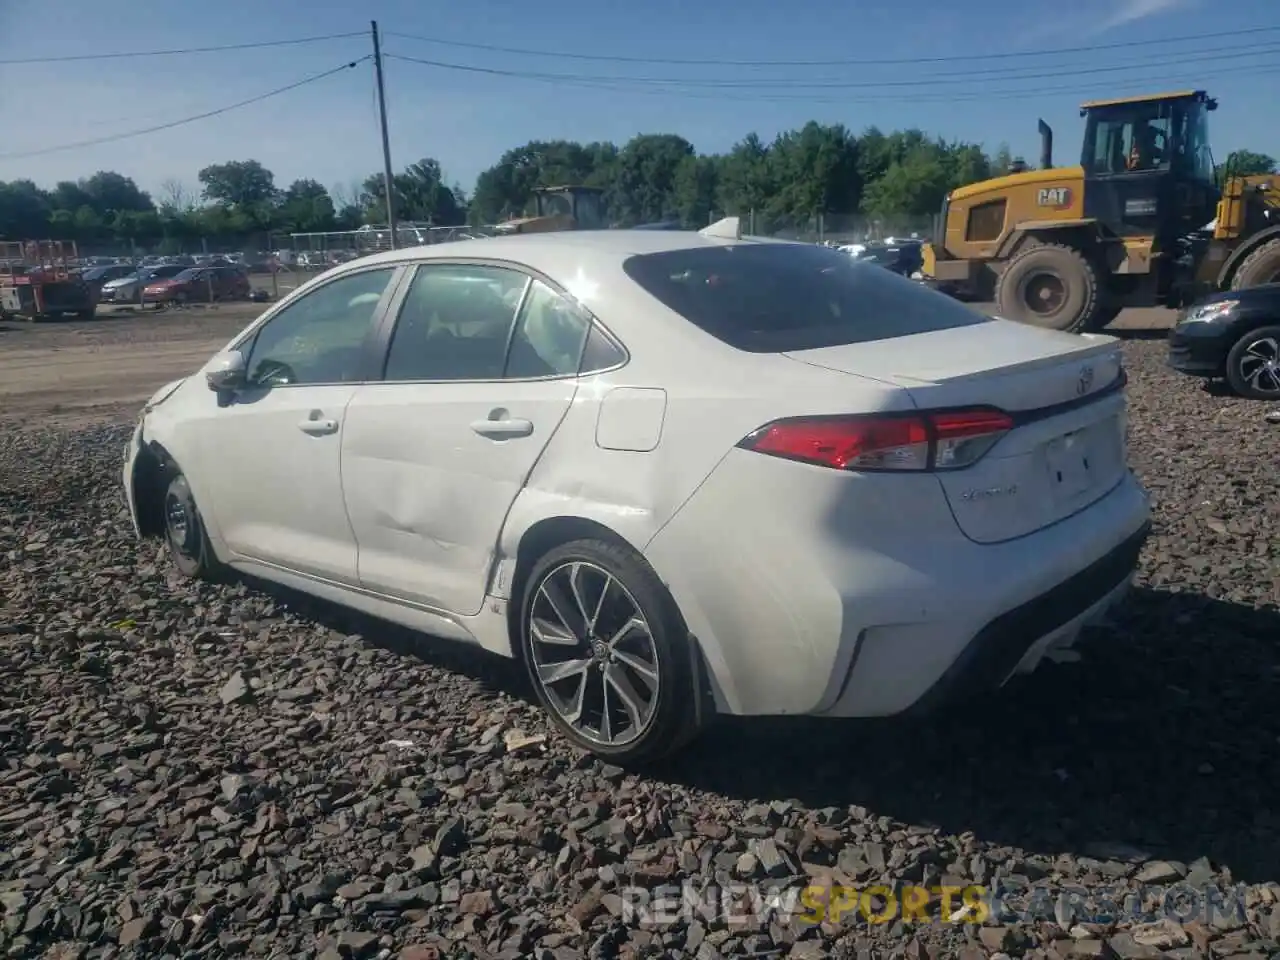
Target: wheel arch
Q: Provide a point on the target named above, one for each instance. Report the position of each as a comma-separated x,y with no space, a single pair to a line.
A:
1242,252
549,532
1231,362
539,537
152,472
1079,234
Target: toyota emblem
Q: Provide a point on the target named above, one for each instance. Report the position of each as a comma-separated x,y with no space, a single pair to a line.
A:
1085,381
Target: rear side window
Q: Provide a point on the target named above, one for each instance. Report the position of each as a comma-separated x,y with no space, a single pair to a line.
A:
770,298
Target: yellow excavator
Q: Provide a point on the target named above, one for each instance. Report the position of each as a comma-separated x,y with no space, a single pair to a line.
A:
1139,222
561,208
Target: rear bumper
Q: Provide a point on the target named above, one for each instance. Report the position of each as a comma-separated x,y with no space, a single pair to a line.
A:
1017,641
1198,349
808,600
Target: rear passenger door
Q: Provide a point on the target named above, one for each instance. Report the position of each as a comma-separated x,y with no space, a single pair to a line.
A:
481,367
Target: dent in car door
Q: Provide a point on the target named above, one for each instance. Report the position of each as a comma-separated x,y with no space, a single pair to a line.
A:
430,469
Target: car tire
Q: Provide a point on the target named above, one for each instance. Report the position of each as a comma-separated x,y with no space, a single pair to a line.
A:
594,666
1250,353
185,534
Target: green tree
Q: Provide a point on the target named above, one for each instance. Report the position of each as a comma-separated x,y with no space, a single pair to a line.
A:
421,195
238,183
746,180
694,191
305,207
109,191
1246,163
644,178
814,170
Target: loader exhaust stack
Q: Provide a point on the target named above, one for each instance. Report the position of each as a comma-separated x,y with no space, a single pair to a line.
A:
1046,145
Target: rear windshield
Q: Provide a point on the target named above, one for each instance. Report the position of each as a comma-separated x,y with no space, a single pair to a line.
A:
769,298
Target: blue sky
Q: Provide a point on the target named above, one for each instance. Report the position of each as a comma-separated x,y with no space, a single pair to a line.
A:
328,130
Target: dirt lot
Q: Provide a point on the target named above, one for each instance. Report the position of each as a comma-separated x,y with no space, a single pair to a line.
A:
104,368
82,371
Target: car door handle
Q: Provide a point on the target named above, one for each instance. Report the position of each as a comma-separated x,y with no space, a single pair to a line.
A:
318,428
503,429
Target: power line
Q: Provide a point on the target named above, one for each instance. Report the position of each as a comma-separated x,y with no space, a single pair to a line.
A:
185,120
1113,87
263,44
820,84
906,61
679,89
789,83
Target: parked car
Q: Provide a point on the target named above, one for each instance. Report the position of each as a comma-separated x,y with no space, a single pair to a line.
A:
903,258
126,289
199,285
675,473
1233,335
98,277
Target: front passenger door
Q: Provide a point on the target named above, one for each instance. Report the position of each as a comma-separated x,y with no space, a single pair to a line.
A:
272,454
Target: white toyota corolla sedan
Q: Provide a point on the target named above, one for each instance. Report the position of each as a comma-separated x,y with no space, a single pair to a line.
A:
675,474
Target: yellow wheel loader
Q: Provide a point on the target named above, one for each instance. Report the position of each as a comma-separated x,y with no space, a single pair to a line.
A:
1139,222
560,208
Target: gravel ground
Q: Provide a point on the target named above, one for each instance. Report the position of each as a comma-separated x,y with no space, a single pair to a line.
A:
216,771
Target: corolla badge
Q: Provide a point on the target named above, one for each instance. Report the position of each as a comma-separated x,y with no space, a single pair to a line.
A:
1085,381
989,493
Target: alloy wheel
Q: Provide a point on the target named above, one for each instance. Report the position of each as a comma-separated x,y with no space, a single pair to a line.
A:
177,516
593,653
1260,365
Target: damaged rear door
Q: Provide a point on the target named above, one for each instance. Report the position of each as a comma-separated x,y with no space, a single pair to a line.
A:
477,379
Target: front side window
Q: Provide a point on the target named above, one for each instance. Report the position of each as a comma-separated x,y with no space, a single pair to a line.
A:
1130,138
1198,157
455,323
320,337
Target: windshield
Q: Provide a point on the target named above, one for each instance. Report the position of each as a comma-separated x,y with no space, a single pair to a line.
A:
770,298
188,274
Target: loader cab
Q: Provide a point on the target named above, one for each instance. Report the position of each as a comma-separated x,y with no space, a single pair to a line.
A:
1148,166
582,204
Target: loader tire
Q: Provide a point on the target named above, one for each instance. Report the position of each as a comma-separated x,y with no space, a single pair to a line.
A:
1051,286
1103,317
1261,266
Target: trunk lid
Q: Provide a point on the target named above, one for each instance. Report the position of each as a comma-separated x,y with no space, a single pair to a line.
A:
1067,448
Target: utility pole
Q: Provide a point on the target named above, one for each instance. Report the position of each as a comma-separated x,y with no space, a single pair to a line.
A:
388,179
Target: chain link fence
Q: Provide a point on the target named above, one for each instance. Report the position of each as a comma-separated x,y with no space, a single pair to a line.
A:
294,253
839,228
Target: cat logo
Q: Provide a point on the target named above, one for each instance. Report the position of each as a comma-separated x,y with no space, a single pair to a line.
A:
1058,197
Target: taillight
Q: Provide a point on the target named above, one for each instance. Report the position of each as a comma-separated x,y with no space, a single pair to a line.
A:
938,440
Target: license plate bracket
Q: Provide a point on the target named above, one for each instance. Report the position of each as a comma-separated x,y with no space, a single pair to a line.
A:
1070,470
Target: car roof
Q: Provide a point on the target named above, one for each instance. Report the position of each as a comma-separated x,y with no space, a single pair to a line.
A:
541,247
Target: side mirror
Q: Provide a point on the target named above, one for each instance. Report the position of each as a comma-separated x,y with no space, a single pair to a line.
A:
227,372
